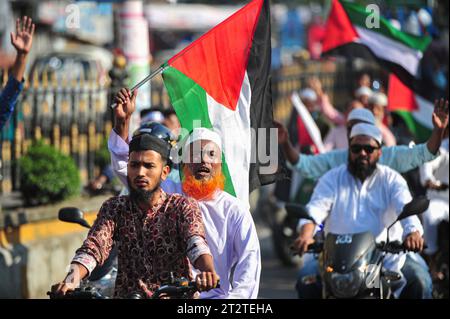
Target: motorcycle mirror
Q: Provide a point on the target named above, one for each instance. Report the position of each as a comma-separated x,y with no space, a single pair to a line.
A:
73,215
297,211
415,207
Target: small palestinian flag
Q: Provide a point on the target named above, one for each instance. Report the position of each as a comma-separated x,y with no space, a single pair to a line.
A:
352,31
222,80
415,110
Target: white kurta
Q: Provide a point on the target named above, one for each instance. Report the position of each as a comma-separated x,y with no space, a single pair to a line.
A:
230,233
436,171
350,206
233,241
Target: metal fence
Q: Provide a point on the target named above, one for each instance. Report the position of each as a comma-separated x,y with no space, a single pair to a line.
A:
74,116
70,115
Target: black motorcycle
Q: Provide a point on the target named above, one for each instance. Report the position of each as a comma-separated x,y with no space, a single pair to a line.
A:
352,264
440,285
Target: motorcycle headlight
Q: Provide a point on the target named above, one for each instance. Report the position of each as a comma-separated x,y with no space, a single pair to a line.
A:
346,285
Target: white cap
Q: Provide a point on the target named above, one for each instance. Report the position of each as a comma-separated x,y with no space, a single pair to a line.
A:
396,24
363,90
379,99
363,115
425,17
367,130
308,94
204,134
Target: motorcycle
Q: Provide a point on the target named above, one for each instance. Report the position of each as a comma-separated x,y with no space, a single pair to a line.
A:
440,285
352,264
176,288
103,278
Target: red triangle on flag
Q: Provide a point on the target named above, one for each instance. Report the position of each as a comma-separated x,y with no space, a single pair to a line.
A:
339,28
218,60
400,97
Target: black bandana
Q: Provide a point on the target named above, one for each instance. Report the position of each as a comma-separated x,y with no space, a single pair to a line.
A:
147,142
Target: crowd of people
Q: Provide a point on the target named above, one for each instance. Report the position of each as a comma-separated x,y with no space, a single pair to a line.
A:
177,218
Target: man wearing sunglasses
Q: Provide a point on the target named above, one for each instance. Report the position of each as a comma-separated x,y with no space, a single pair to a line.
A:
400,158
363,195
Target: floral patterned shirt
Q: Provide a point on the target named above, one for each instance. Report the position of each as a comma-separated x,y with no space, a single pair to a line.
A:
150,243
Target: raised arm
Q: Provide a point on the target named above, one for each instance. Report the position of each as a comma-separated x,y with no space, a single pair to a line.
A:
283,140
126,104
22,41
325,105
440,122
403,158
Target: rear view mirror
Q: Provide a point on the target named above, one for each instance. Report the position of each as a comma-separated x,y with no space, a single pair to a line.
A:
415,207
73,215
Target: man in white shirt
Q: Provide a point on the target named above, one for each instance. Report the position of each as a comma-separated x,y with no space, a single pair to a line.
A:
363,196
230,229
434,176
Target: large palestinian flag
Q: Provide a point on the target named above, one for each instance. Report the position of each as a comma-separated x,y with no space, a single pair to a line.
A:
353,32
222,80
415,110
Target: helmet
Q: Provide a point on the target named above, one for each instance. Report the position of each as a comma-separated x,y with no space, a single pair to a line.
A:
159,131
156,129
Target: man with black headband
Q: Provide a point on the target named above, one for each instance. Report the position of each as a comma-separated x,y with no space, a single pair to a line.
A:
230,230
155,233
366,196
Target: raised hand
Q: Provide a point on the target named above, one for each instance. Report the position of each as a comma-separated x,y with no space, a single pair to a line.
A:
283,135
316,85
22,40
126,104
440,114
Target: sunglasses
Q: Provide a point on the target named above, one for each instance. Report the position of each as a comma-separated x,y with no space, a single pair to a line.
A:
369,149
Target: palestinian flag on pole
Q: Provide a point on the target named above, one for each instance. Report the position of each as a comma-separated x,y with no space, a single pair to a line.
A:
415,110
222,81
354,31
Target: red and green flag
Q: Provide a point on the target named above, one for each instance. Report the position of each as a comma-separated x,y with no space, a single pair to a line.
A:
415,110
352,31
222,81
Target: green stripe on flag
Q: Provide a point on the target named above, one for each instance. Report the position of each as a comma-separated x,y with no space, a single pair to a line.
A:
359,16
190,104
421,132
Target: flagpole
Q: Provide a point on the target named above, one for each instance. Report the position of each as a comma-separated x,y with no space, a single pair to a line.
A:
145,80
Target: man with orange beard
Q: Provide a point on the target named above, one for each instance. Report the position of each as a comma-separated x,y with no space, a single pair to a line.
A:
230,230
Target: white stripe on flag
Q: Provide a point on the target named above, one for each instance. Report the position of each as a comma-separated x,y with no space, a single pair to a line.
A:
235,129
309,122
390,50
424,115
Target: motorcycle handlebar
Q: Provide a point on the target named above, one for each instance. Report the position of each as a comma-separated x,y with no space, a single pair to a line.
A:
92,293
315,248
394,247
78,293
